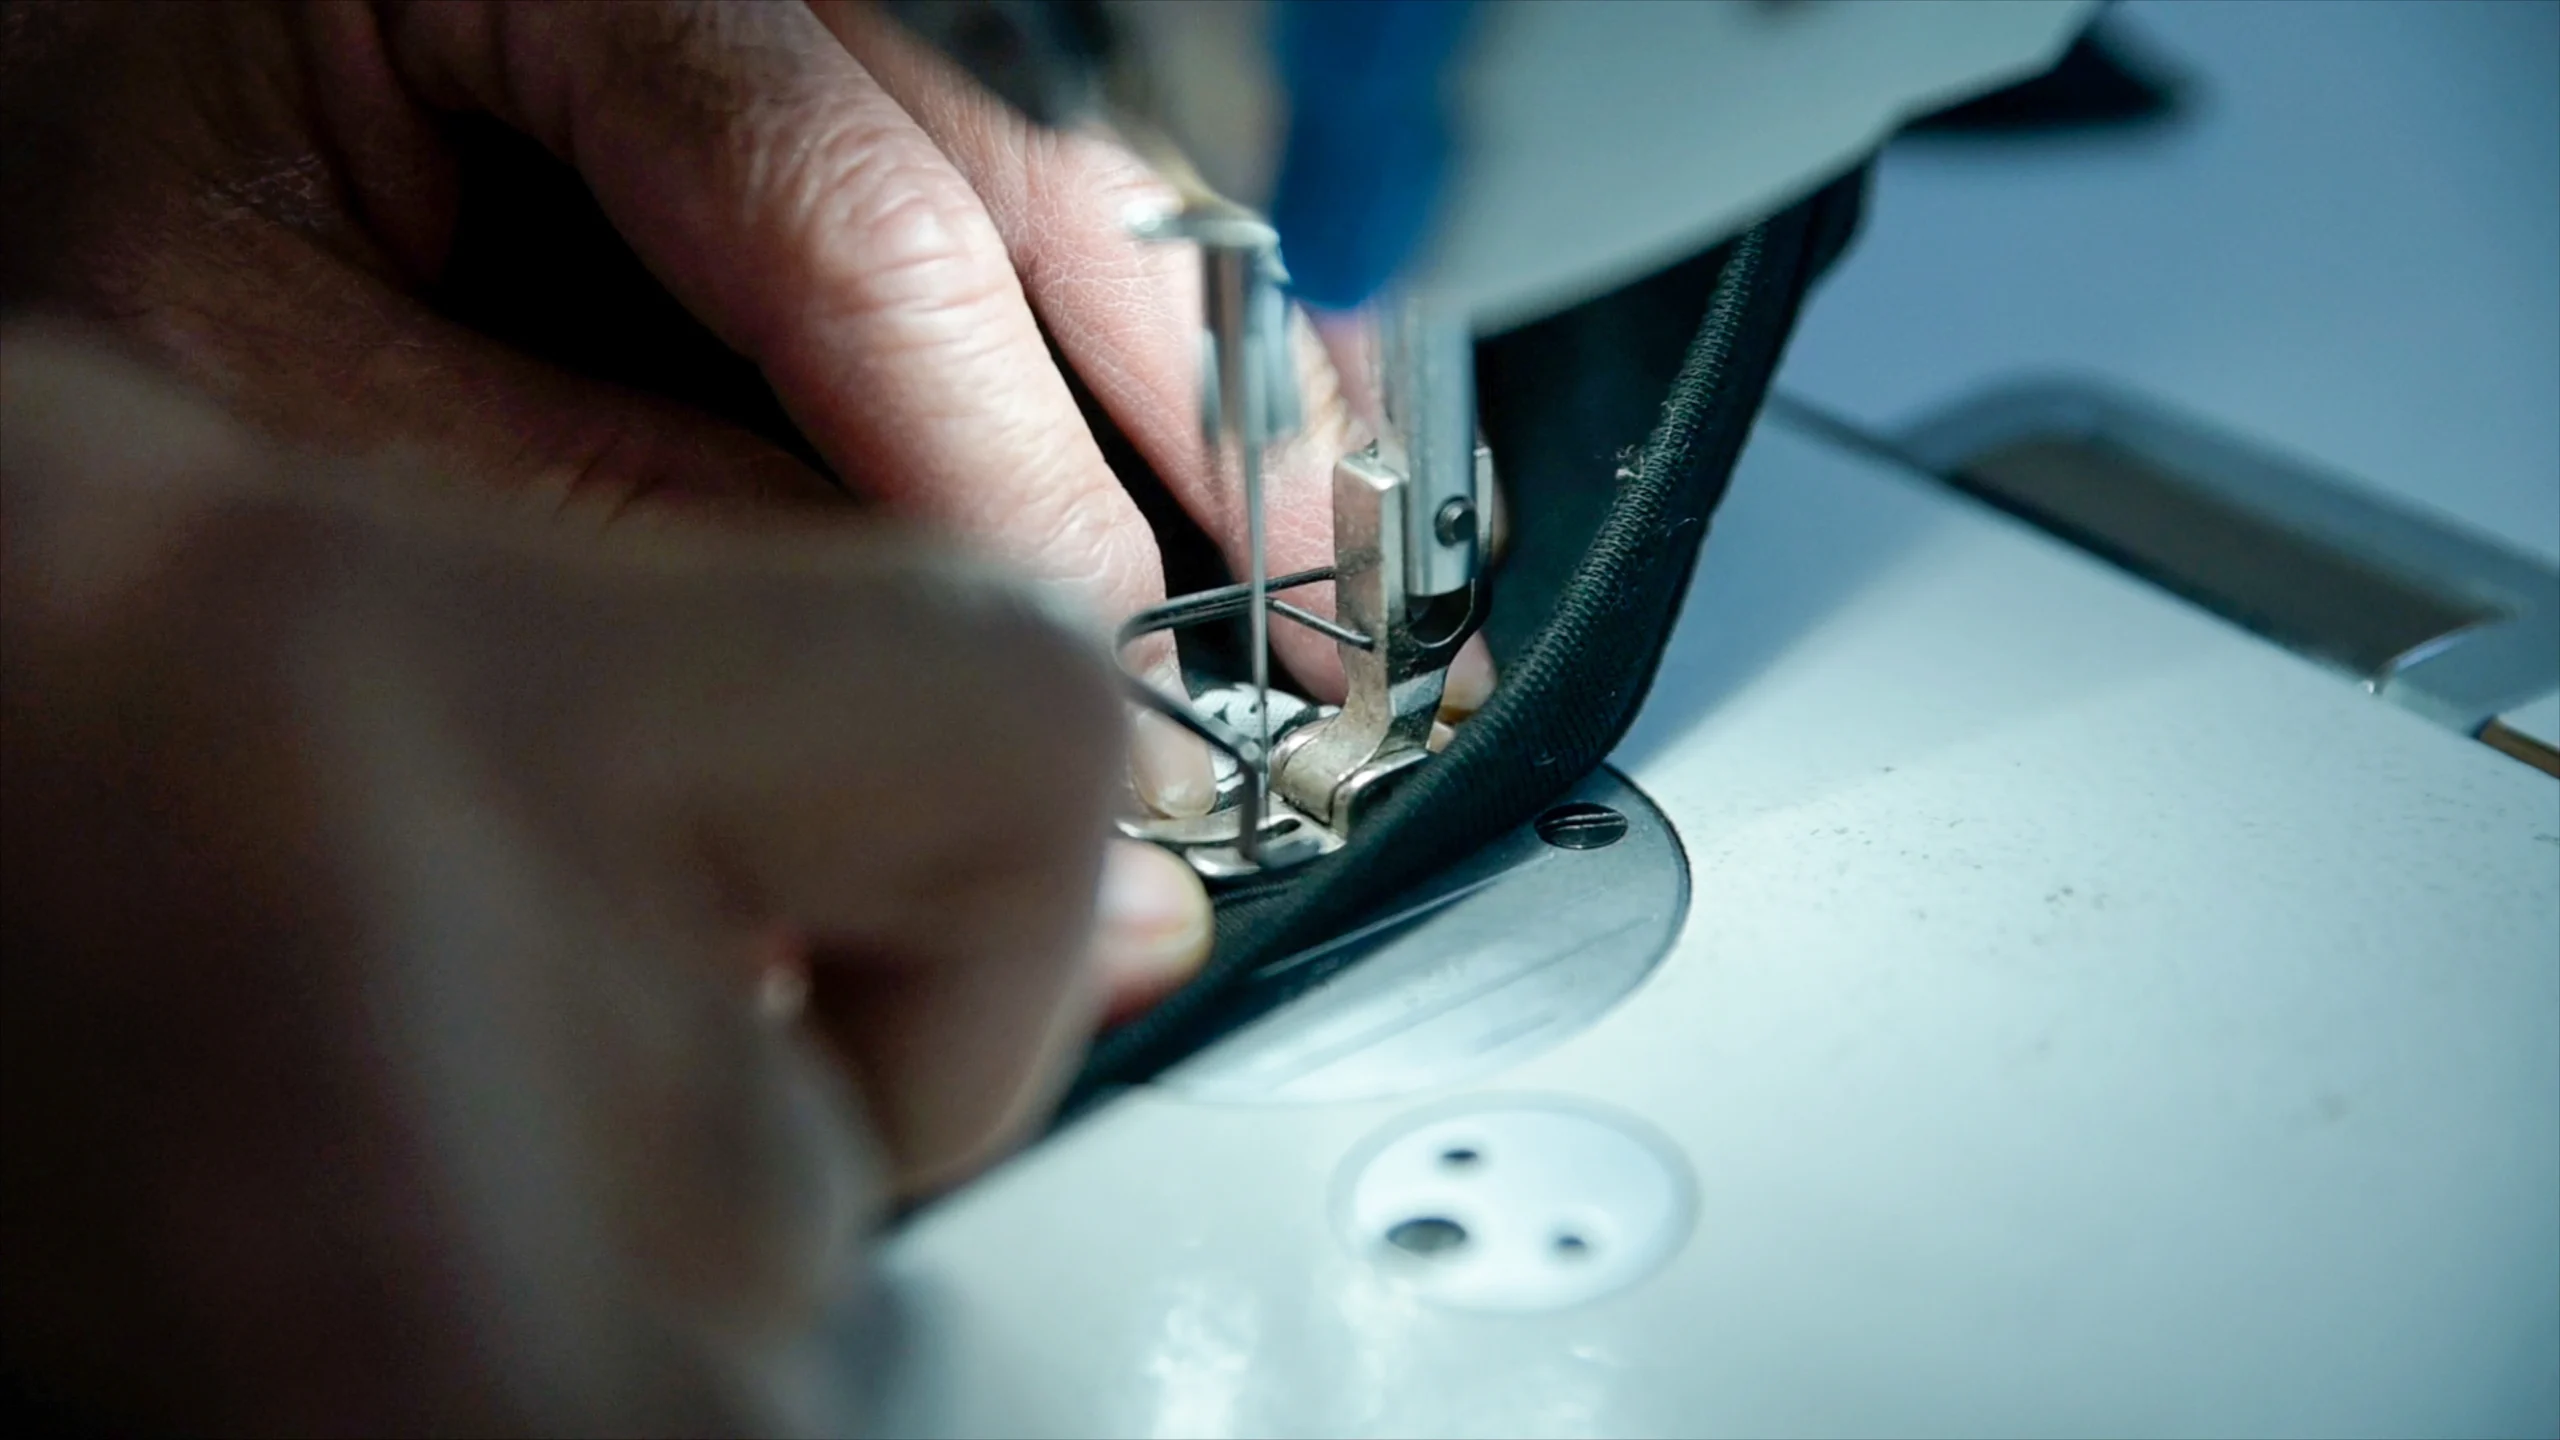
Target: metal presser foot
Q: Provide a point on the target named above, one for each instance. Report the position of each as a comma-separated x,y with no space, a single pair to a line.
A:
1407,523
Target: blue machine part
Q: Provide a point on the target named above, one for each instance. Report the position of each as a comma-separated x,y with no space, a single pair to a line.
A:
1369,138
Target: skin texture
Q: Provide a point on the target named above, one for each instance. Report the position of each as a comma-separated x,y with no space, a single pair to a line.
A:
253,195
390,890
507,875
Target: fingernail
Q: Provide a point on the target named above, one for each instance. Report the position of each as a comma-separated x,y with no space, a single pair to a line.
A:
1470,681
1151,924
1171,768
1441,735
1169,765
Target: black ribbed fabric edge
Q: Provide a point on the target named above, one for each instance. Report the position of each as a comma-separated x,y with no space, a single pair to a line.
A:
1573,686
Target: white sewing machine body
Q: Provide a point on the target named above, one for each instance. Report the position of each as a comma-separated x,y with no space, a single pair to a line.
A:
2088,1016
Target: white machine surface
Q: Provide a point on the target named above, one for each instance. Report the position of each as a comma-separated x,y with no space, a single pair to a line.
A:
2541,720
2089,1018
1597,140
2345,250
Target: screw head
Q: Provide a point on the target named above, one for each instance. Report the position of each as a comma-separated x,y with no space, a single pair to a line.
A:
1456,522
1582,825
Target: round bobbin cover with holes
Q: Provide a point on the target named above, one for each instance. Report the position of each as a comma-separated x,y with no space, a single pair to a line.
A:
1514,1203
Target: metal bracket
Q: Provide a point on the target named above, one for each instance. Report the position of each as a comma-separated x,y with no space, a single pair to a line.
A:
1408,546
1339,768
1330,766
1214,843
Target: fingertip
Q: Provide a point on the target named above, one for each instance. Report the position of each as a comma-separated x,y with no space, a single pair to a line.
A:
1152,926
1171,768
1471,680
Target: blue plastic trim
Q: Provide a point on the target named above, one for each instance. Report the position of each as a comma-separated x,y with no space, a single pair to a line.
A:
1369,138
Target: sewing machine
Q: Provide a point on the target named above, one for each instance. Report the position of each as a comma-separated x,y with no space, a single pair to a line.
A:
2087,1018
2040,992
1455,168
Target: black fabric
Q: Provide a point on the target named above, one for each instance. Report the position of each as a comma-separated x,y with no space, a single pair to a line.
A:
1615,427
2101,82
29,1409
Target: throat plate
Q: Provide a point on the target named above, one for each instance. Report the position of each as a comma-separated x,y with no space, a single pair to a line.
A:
1504,955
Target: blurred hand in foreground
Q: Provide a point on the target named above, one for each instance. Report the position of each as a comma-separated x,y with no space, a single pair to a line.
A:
461,976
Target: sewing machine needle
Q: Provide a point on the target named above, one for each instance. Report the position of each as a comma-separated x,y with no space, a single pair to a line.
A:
1258,637
1234,269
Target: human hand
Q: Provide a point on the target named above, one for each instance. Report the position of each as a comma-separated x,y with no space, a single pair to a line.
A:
255,195
395,894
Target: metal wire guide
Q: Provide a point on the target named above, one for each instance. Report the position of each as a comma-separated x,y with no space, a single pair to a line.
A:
1408,526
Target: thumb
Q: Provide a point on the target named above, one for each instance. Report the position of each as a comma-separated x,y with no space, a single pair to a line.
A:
434,809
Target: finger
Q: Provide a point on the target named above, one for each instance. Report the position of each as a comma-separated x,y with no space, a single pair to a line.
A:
1169,767
1470,680
374,374
901,760
220,238
277,927
1151,930
331,359
800,212
1126,314
796,209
